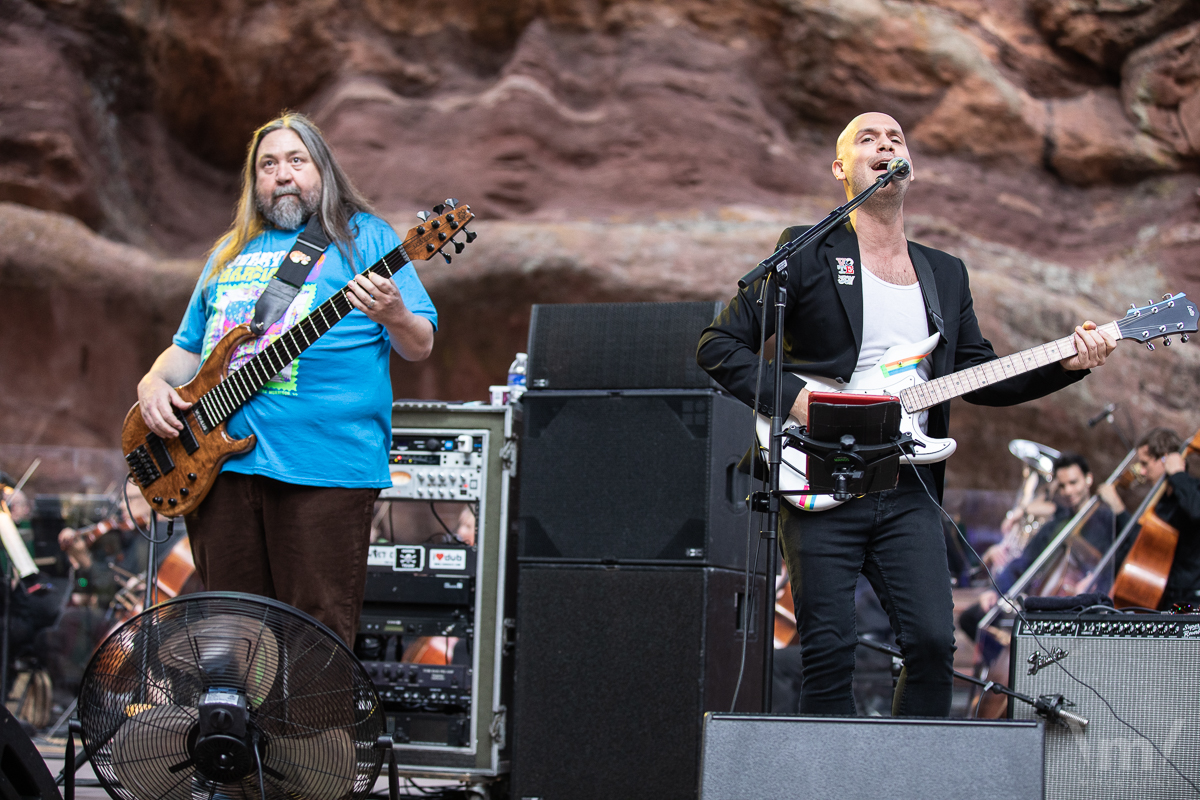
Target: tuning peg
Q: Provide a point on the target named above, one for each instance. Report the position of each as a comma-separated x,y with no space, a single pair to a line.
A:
471,236
459,247
1167,296
451,202
439,208
1184,339
423,215
446,257
1149,345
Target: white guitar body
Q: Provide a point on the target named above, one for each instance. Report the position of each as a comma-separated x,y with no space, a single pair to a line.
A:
896,371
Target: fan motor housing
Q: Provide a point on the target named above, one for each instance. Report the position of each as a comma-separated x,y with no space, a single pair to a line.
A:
222,746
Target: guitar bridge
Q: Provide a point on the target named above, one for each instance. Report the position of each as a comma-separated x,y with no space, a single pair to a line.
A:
144,470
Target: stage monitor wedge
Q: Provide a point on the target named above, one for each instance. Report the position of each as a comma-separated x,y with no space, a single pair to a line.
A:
766,756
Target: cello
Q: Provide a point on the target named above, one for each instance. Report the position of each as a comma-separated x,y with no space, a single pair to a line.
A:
1142,578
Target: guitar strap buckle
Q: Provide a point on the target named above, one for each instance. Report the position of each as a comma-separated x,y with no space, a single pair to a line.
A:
289,278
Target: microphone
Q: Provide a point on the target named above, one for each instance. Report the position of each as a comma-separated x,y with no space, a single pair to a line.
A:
1105,414
1051,707
899,168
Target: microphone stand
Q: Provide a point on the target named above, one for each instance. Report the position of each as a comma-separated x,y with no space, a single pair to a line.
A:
1048,706
775,266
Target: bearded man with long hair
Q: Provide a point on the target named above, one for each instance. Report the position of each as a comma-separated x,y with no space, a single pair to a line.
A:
290,518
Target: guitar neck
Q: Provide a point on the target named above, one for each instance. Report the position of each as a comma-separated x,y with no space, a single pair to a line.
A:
939,390
226,397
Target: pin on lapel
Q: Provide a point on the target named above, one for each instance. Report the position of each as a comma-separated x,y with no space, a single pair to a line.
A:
845,268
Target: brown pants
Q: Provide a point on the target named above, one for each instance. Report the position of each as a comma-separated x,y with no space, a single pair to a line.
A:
303,545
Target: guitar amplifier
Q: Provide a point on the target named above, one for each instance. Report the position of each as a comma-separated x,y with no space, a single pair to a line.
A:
1144,676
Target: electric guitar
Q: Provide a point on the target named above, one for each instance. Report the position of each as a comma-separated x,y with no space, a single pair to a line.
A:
896,374
175,474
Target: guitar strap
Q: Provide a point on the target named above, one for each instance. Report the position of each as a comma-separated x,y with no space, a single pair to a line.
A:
289,278
928,288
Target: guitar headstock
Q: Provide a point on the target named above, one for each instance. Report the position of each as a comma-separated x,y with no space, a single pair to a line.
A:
438,229
1174,314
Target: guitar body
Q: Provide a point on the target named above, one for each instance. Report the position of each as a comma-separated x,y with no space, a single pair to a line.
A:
896,371
179,488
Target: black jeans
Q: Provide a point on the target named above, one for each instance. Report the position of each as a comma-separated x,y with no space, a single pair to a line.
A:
895,539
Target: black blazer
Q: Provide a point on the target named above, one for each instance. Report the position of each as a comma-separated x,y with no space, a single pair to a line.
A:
823,332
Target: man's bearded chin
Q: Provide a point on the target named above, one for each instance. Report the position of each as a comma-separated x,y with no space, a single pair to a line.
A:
887,200
288,209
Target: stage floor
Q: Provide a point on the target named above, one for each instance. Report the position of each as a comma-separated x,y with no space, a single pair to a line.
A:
88,788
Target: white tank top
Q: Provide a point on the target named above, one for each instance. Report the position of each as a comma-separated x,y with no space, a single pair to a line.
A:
892,315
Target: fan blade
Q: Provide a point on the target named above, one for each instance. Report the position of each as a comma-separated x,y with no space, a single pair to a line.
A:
228,651
320,766
148,745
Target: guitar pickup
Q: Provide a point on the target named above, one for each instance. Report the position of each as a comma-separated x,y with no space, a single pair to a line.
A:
144,470
158,451
186,437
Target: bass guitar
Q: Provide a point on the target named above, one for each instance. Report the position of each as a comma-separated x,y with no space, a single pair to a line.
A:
175,475
896,374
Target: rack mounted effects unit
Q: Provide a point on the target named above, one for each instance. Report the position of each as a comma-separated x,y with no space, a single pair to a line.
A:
434,635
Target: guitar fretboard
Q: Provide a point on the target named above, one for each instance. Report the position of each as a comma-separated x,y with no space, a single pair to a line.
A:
219,402
939,390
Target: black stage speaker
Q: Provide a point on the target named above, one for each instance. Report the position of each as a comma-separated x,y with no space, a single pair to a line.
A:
618,345
634,477
762,756
23,773
614,669
1147,668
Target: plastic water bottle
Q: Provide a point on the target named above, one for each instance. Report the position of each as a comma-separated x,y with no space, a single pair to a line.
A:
516,377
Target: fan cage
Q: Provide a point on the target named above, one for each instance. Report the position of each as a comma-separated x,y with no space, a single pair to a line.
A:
313,707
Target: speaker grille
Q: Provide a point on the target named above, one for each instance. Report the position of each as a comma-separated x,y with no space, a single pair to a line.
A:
1148,671
764,756
634,477
618,345
614,669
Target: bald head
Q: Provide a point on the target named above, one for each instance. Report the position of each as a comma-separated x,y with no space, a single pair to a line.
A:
874,121
864,149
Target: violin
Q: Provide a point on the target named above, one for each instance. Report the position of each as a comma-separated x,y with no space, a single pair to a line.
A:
91,533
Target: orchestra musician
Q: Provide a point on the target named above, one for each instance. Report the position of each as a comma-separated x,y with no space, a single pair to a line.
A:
291,518
1073,487
850,297
1158,455
113,542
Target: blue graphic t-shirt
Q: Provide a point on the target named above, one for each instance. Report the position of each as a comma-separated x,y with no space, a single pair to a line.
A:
325,419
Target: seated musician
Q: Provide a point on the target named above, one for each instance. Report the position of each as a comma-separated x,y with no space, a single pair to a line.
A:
1073,481
1158,454
96,550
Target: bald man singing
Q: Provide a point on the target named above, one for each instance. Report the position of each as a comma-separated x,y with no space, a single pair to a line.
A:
860,290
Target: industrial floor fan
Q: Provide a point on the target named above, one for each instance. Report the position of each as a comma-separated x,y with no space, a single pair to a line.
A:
226,696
